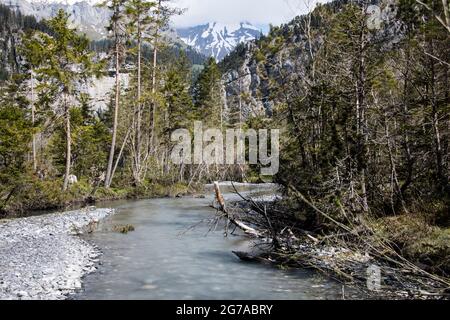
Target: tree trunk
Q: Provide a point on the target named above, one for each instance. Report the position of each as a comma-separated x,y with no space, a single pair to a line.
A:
155,61
362,121
33,120
68,145
222,207
120,154
435,120
445,7
108,179
137,151
406,106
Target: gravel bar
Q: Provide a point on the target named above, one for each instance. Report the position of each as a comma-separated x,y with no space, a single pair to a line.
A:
43,257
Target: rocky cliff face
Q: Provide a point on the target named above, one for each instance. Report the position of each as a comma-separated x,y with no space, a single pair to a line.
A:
84,16
244,88
100,90
251,83
9,59
12,25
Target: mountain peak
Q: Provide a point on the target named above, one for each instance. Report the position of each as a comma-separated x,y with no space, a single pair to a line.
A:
216,39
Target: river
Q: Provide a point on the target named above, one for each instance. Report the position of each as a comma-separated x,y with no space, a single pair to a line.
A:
165,259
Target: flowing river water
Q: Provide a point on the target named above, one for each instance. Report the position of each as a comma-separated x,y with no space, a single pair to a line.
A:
165,259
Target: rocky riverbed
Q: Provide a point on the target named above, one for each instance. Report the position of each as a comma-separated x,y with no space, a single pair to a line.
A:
43,257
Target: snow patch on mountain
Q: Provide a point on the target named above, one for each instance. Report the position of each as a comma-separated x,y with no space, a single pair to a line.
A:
217,39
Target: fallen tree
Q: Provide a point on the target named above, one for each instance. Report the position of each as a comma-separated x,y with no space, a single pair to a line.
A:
230,216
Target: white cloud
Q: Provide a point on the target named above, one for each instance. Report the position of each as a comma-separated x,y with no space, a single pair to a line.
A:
258,12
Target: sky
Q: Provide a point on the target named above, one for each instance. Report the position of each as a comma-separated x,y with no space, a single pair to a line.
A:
258,12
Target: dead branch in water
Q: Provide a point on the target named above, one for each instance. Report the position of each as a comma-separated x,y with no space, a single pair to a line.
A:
230,216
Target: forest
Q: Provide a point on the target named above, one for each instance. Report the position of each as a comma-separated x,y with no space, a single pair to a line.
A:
50,130
363,106
365,150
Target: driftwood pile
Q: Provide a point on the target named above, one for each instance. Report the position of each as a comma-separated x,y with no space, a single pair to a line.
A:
354,255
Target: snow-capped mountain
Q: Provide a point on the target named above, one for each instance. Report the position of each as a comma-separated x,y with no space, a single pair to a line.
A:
216,39
84,15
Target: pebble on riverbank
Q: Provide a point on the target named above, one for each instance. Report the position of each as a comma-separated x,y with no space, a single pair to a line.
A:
42,258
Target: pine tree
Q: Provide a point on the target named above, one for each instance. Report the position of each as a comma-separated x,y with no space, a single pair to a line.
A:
32,56
177,99
138,13
177,107
16,131
162,14
208,95
65,62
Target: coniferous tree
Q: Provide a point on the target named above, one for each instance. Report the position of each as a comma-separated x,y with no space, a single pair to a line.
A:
177,106
33,55
65,63
161,15
138,13
207,95
16,131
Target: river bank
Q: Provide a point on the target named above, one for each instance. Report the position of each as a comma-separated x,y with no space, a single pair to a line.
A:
37,196
43,257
